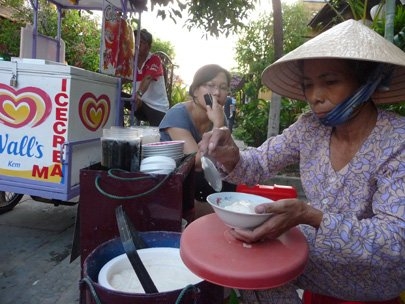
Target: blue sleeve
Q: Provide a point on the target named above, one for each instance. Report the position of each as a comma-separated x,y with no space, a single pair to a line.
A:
177,117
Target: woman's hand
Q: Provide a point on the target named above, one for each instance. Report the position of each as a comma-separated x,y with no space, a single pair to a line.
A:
219,145
287,213
216,113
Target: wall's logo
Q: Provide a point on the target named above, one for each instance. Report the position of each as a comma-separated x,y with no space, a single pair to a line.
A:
93,111
28,106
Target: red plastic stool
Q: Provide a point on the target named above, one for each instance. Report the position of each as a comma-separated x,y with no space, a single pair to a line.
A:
313,298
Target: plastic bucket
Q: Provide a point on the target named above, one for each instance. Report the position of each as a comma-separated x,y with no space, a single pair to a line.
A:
92,292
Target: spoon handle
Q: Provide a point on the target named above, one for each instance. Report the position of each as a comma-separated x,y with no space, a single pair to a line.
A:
132,253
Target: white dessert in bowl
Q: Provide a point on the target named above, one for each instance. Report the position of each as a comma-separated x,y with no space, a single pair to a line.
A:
237,210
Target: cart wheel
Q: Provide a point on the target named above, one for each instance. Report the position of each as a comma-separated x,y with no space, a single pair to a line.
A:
8,200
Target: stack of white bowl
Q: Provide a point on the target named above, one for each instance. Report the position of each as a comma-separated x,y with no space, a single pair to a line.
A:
158,165
173,149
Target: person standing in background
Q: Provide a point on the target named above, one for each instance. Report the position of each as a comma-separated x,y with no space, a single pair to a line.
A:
151,101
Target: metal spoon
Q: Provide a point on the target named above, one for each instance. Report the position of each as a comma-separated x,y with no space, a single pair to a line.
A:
211,173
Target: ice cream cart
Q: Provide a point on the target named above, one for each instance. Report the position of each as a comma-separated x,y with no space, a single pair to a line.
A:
53,114
52,118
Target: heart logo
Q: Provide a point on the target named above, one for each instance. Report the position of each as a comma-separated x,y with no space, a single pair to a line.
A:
93,111
29,106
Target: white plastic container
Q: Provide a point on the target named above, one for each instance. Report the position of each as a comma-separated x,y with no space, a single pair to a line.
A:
148,134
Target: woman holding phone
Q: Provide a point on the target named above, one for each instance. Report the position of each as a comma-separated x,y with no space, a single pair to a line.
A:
201,113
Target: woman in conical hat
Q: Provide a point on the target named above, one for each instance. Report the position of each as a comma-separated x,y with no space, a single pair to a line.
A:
351,156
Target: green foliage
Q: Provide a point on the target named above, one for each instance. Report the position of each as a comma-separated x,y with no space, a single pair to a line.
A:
252,122
164,11
290,111
9,38
399,39
211,16
399,27
233,298
359,12
252,119
218,17
47,19
163,46
79,31
179,93
358,9
82,36
255,51
397,108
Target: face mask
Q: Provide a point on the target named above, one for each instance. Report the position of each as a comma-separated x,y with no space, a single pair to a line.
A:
344,111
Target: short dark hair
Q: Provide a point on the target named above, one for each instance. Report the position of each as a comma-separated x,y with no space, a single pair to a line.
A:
207,73
145,36
362,69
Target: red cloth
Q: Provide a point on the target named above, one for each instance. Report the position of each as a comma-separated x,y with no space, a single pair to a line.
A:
313,298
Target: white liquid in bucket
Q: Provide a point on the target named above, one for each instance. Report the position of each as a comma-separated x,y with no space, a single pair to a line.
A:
164,265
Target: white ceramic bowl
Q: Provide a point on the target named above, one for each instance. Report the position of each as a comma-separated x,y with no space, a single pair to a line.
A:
159,159
236,209
163,264
153,167
158,171
158,165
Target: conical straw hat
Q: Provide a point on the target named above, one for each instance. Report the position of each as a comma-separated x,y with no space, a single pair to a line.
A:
347,40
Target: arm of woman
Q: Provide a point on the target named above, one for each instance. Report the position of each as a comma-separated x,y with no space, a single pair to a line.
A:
359,235
190,145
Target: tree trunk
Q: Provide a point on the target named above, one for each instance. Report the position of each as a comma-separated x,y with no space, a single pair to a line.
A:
273,126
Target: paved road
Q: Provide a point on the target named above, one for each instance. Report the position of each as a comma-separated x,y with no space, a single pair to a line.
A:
35,243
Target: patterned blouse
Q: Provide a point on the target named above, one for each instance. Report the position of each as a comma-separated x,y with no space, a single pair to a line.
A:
358,252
